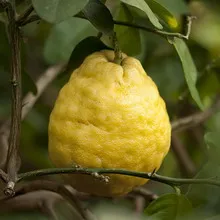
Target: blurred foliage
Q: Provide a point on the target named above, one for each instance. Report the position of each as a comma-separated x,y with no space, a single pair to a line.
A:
61,37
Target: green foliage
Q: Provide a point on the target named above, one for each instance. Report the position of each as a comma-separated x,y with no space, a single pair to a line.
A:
58,10
169,207
126,35
66,35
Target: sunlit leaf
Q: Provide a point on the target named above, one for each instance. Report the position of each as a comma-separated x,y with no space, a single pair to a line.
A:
163,13
142,5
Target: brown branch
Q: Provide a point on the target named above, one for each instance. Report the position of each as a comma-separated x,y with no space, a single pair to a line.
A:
147,194
185,162
66,192
13,160
195,119
41,200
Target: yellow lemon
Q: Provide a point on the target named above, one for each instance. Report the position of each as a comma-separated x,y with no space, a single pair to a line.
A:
109,116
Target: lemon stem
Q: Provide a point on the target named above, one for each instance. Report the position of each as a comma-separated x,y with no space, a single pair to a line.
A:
118,53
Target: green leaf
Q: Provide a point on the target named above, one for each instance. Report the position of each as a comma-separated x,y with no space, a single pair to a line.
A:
163,13
169,207
142,5
64,37
99,15
129,38
189,69
209,198
55,11
206,196
86,47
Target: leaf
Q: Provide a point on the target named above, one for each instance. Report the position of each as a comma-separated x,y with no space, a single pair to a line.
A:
189,69
129,38
176,7
142,5
55,11
99,15
86,47
169,207
209,198
64,37
206,196
163,13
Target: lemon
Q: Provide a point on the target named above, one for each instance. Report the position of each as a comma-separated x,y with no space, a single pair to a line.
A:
109,116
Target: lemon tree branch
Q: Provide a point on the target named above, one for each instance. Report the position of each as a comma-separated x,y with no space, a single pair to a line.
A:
132,25
91,171
13,160
195,119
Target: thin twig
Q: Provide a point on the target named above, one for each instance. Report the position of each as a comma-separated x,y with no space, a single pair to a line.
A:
29,20
147,194
151,30
42,83
195,119
88,171
189,26
22,18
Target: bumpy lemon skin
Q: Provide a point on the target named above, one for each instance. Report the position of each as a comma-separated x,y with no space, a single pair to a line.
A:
109,116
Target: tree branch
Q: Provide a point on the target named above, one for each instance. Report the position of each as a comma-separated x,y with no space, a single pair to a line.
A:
195,119
98,171
61,189
13,160
41,200
147,194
